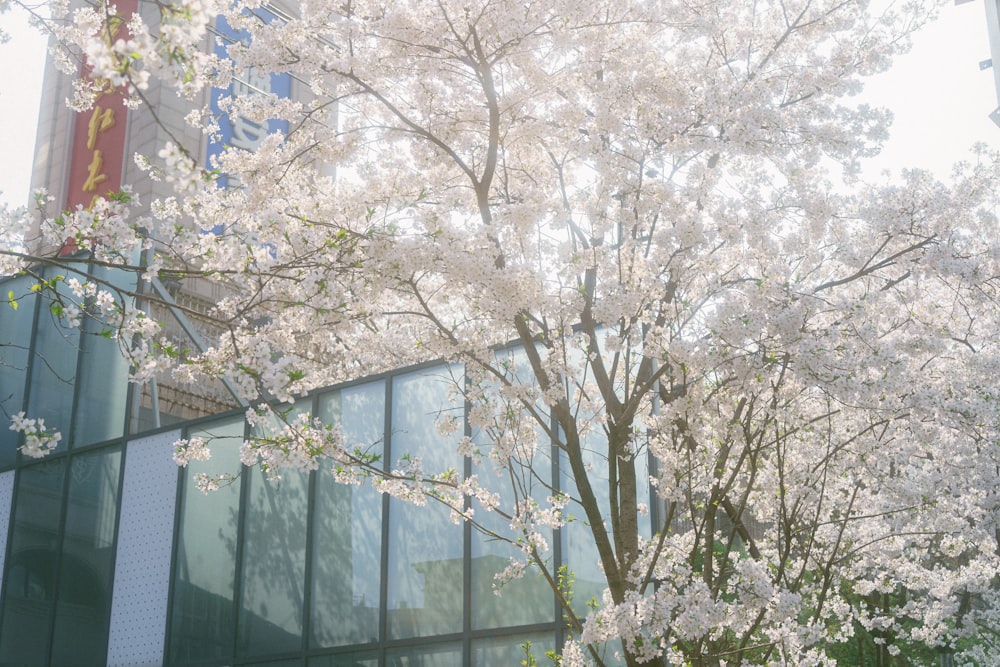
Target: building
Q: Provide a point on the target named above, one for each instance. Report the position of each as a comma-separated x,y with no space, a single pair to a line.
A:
993,62
111,555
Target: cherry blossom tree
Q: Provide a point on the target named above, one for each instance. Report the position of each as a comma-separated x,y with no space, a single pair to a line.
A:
717,325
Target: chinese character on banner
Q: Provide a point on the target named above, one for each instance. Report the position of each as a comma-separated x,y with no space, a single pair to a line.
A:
100,120
97,158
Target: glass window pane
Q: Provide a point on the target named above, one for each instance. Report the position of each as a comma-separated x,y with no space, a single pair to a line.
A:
522,601
53,368
103,381
85,573
29,590
579,548
348,528
513,461
449,655
582,561
201,623
512,651
274,562
272,583
15,339
425,591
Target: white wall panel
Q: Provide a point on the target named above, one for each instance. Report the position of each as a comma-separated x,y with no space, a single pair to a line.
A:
145,541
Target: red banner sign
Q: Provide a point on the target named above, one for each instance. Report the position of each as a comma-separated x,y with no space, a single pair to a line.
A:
98,155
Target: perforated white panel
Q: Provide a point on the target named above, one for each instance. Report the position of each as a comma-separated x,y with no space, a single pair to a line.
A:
6,497
145,539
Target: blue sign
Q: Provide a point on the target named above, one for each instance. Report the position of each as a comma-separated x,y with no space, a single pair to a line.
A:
238,132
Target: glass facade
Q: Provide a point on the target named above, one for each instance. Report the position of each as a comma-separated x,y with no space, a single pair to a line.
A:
30,579
308,571
301,571
60,548
57,588
73,377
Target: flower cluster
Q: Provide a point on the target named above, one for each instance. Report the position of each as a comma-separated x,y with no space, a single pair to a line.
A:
38,440
299,443
195,449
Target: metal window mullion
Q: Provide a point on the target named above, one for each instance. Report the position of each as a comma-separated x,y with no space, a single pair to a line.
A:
311,492
655,513
174,557
466,536
557,536
242,516
383,593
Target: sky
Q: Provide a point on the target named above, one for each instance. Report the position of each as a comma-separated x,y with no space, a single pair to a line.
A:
22,60
940,98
